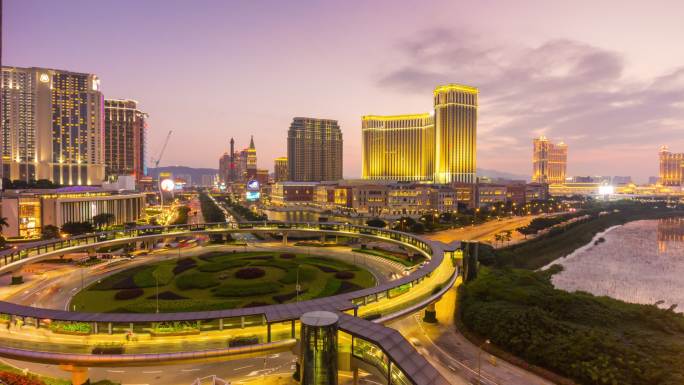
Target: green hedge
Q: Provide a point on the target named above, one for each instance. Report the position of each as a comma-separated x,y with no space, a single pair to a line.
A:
233,289
198,280
593,340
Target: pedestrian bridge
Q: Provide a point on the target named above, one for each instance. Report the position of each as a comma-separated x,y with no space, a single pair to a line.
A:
118,339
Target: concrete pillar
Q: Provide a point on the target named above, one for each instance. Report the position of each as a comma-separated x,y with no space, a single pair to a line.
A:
355,375
79,374
322,238
242,322
109,328
430,314
220,323
293,329
285,239
268,333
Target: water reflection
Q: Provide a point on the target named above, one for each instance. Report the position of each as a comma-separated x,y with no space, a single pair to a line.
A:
670,234
638,262
309,216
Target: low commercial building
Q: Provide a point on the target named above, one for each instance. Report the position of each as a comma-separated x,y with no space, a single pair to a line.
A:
28,211
293,193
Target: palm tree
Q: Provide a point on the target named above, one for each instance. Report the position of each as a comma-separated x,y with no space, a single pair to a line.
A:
3,223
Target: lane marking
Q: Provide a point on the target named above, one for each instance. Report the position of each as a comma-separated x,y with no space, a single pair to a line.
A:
243,367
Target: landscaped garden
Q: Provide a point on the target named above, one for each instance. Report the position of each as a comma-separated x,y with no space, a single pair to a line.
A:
222,280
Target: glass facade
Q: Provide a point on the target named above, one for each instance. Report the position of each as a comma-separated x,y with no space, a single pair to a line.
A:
319,348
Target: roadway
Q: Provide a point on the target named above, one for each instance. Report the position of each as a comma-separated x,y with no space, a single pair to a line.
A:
484,232
453,355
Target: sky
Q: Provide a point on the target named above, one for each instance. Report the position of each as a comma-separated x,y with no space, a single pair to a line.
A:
605,77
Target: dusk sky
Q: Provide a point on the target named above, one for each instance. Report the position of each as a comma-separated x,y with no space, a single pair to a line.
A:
606,77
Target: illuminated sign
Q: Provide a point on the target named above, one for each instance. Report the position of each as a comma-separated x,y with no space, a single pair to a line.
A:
253,185
44,78
167,185
252,195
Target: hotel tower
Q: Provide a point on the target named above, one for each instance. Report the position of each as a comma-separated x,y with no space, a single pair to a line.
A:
671,168
400,147
124,138
314,150
438,146
549,161
52,126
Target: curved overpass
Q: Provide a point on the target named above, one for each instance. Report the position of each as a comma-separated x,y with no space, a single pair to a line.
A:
274,327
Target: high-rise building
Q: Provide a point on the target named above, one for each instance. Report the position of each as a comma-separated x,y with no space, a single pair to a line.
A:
231,165
671,167
51,126
400,147
280,169
314,150
251,165
438,146
455,133
549,161
124,138
224,168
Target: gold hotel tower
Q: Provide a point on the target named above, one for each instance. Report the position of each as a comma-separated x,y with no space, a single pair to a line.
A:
438,146
549,161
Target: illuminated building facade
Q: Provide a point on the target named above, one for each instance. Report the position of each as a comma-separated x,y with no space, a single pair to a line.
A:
27,211
400,147
439,147
251,160
280,169
52,126
549,161
314,150
671,168
124,138
455,133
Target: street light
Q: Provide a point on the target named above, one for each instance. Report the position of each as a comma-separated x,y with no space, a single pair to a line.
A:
479,362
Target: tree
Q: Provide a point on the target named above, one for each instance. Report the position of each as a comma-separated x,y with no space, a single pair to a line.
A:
404,223
376,222
3,223
50,232
77,228
507,235
417,228
104,219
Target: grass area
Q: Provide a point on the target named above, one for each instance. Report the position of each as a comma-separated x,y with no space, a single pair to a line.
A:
558,243
592,340
390,256
219,280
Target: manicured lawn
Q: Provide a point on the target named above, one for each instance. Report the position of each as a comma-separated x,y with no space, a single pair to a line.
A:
217,280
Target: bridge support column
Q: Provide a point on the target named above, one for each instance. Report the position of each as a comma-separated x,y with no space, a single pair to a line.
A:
430,314
355,375
322,238
79,374
285,239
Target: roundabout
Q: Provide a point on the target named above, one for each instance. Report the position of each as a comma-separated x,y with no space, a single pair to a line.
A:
78,340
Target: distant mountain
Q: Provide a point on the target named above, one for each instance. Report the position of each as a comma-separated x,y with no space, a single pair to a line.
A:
195,173
494,174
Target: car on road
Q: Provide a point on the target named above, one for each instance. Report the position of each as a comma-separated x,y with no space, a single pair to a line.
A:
415,342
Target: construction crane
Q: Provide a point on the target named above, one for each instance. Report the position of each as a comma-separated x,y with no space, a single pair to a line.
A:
156,166
161,153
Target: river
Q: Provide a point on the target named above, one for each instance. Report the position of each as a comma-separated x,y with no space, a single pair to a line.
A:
639,262
309,216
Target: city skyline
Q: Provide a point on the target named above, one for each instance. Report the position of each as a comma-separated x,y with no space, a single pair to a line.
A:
558,77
